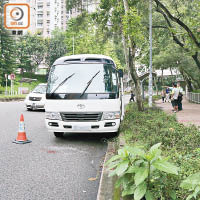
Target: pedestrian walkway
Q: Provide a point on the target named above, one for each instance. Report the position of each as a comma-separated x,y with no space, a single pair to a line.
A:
189,115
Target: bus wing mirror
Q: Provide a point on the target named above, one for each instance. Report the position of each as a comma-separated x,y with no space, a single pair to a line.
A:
120,73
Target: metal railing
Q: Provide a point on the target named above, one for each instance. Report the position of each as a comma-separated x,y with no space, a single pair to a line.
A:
193,97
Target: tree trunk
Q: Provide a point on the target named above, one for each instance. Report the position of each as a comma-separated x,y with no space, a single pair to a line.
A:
134,76
187,80
135,80
162,78
156,85
196,60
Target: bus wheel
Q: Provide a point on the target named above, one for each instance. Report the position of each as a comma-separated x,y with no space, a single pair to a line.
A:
58,134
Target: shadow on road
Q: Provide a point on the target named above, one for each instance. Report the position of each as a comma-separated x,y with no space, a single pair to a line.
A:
86,138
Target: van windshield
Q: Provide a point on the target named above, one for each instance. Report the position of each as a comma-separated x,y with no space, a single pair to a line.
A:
40,89
103,76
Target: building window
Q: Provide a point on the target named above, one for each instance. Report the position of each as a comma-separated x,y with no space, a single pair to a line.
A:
39,24
19,32
14,32
40,7
39,15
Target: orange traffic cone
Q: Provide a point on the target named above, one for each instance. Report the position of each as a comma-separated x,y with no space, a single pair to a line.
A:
21,138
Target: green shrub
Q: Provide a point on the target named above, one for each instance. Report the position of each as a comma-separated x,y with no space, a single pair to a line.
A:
143,173
179,142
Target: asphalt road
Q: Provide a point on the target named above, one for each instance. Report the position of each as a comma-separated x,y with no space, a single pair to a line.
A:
49,168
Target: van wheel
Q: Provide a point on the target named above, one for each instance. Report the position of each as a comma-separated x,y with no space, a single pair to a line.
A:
58,134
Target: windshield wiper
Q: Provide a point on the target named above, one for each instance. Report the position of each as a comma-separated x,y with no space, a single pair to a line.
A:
62,83
88,84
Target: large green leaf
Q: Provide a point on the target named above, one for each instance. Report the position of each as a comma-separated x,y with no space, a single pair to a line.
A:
122,167
119,182
113,159
172,194
131,170
155,152
112,173
113,165
190,197
154,147
165,166
136,151
191,181
141,175
140,191
149,195
128,191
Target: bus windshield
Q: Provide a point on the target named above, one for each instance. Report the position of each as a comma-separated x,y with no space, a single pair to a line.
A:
87,78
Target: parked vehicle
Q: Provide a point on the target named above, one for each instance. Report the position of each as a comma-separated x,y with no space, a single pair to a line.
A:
84,94
37,98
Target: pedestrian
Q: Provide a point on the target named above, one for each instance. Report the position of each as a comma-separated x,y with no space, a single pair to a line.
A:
180,97
170,97
132,96
174,98
163,94
167,94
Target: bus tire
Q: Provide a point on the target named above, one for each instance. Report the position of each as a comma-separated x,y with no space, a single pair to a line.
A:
58,134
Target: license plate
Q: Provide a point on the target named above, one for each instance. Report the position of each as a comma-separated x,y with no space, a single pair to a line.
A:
34,106
83,128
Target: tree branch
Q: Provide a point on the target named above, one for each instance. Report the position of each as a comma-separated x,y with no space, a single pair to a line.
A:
178,21
175,38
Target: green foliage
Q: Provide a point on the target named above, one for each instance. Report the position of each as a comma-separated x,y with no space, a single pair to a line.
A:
7,49
141,171
192,183
132,26
36,48
179,142
24,58
84,37
55,47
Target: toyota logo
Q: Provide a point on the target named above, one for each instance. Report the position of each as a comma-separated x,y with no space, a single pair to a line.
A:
80,106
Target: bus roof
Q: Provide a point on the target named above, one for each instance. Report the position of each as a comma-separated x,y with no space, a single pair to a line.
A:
84,58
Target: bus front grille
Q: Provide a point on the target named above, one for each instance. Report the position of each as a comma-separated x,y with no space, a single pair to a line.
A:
82,117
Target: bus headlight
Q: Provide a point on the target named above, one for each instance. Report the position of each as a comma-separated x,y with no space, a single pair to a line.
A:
111,115
53,115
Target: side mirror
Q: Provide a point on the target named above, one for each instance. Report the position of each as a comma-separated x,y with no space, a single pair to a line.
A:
120,73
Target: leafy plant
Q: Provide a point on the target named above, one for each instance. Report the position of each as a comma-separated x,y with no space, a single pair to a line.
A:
140,171
192,183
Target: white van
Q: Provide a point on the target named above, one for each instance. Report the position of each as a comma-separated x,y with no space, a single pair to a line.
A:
84,94
36,99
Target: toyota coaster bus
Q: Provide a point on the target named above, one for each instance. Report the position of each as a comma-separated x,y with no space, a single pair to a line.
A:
84,94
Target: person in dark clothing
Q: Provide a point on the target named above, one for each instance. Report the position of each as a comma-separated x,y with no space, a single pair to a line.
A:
132,97
180,97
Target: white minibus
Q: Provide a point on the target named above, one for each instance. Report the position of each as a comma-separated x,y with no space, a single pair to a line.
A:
84,95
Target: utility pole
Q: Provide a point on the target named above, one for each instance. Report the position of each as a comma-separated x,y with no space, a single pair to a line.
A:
150,55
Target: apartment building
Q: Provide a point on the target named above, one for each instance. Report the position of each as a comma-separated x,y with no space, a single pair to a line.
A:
85,5
45,17
50,15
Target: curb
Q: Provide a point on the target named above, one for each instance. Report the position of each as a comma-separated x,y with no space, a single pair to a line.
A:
106,185
15,99
107,190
